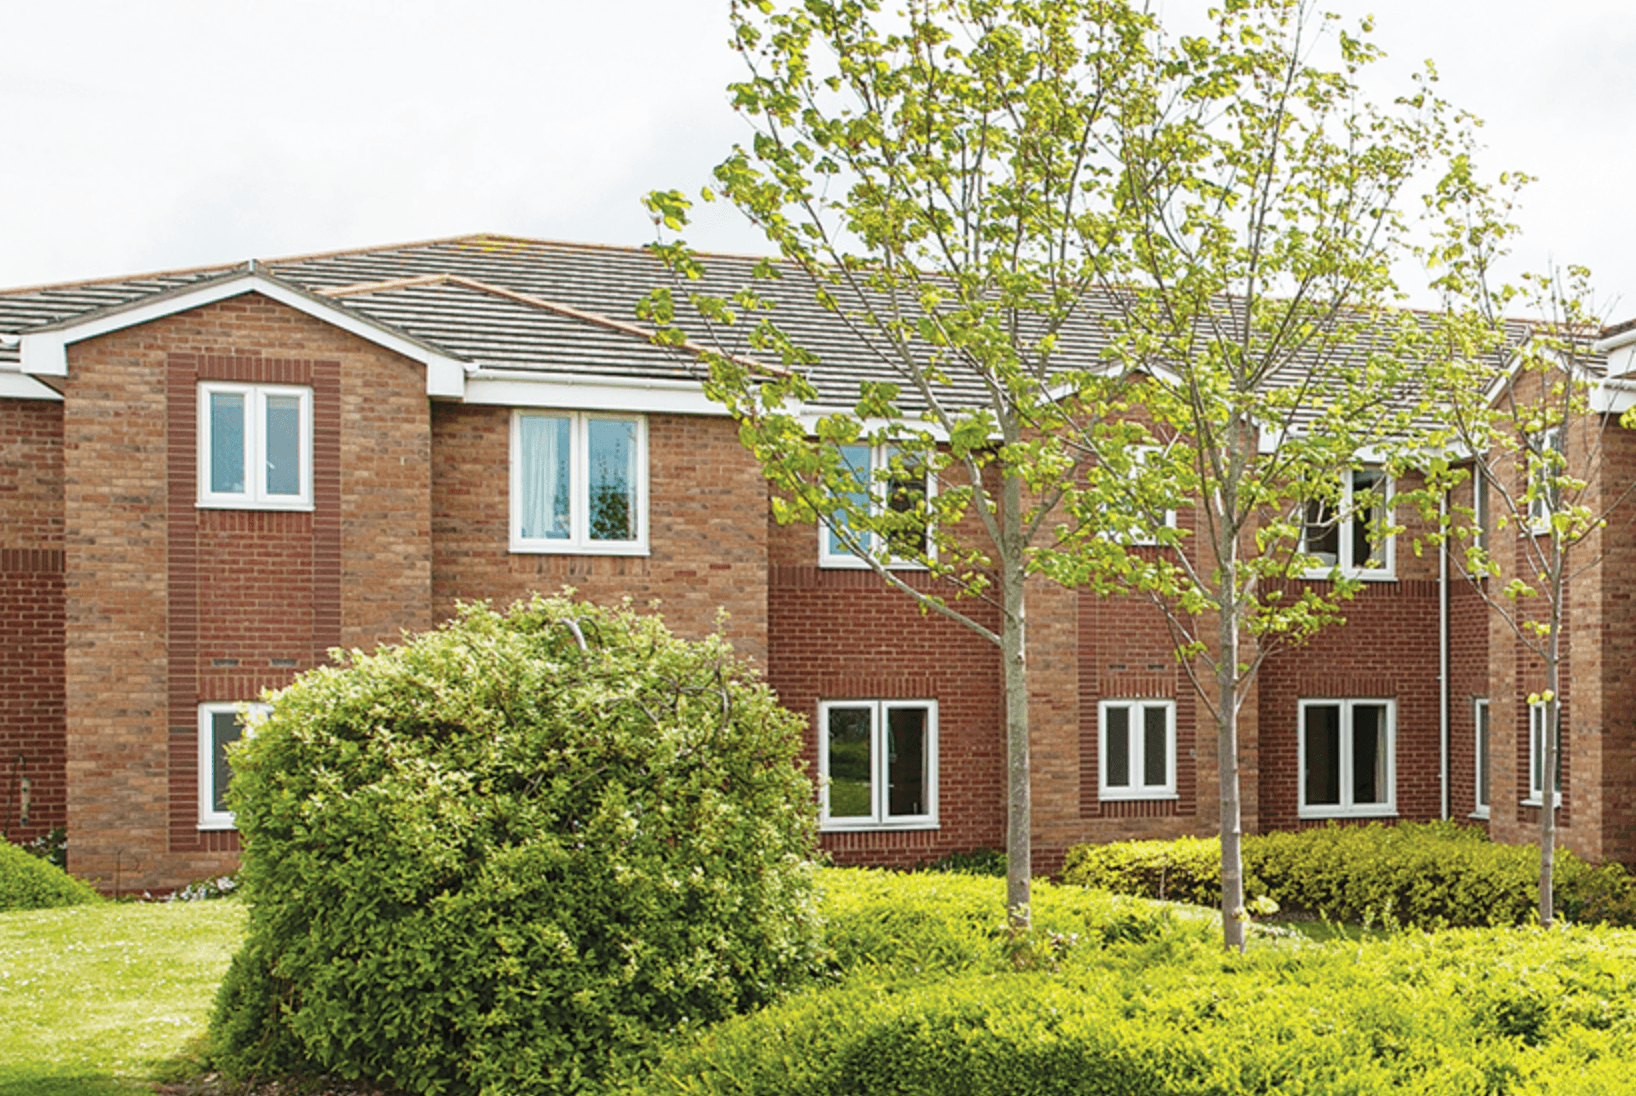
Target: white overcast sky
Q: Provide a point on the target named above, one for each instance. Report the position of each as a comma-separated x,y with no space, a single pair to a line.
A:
142,135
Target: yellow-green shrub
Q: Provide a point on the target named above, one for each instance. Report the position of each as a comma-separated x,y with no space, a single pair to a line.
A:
506,855
28,882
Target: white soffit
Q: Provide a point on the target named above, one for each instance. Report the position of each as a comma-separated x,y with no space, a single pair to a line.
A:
574,392
45,352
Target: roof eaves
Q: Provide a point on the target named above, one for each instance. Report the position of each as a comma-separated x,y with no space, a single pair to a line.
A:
44,349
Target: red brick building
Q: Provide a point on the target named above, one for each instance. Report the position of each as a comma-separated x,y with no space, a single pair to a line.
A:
210,478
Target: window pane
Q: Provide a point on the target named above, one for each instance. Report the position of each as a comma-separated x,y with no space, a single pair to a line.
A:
1368,754
612,479
283,445
1363,551
1536,751
224,728
1323,535
1322,778
1482,755
906,761
904,494
227,443
1155,763
1116,741
850,784
543,478
856,460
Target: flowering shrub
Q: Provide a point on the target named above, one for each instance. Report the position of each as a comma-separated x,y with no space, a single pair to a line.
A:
507,855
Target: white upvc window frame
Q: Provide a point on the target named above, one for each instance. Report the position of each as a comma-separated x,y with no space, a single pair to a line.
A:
1135,787
1547,495
832,555
1141,535
1481,759
579,541
255,495
248,714
1347,808
1345,521
1539,714
880,816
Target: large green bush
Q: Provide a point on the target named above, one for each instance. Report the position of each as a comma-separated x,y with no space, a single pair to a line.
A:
1428,875
28,882
507,855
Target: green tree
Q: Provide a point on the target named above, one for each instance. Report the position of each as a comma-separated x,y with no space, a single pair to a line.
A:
1021,206
1527,435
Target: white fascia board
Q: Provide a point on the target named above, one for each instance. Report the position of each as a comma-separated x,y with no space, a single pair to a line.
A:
1618,342
45,353
18,387
1613,396
1621,357
809,416
573,392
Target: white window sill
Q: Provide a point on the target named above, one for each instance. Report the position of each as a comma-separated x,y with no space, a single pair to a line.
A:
217,826
1533,802
247,504
1371,811
1114,795
1330,574
565,548
1481,814
872,826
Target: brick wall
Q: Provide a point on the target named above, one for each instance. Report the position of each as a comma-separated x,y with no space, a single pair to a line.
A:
706,519
168,605
31,618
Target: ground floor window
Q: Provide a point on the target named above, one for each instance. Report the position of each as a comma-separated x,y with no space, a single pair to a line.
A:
878,763
219,726
1347,759
1539,722
1138,749
1480,714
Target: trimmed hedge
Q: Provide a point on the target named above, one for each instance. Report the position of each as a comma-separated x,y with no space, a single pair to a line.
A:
28,882
1461,1013
1429,875
511,854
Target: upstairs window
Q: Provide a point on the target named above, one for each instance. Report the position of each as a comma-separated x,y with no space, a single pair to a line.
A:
1547,460
255,446
1343,532
579,483
885,482
878,764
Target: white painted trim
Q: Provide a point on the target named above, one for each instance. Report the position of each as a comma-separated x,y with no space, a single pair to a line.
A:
570,392
1136,728
252,712
579,542
45,353
254,496
15,386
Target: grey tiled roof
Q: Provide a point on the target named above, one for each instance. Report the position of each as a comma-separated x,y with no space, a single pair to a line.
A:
507,304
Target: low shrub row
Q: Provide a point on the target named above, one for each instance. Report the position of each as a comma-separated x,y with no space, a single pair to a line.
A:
28,882
1429,875
1166,1012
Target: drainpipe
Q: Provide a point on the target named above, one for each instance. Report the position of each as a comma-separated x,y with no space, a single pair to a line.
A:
1443,654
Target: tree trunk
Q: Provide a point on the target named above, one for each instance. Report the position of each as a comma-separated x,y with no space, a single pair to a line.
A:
1019,847
1232,826
1551,746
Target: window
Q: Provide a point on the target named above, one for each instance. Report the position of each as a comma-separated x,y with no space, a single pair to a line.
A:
255,447
1342,533
579,483
1539,722
1480,518
878,764
1143,530
1138,754
1547,460
220,725
1480,757
876,470
1346,758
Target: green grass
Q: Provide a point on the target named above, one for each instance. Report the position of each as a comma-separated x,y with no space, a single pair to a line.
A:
98,999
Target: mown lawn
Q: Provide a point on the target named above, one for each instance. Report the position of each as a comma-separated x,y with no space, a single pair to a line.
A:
99,999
